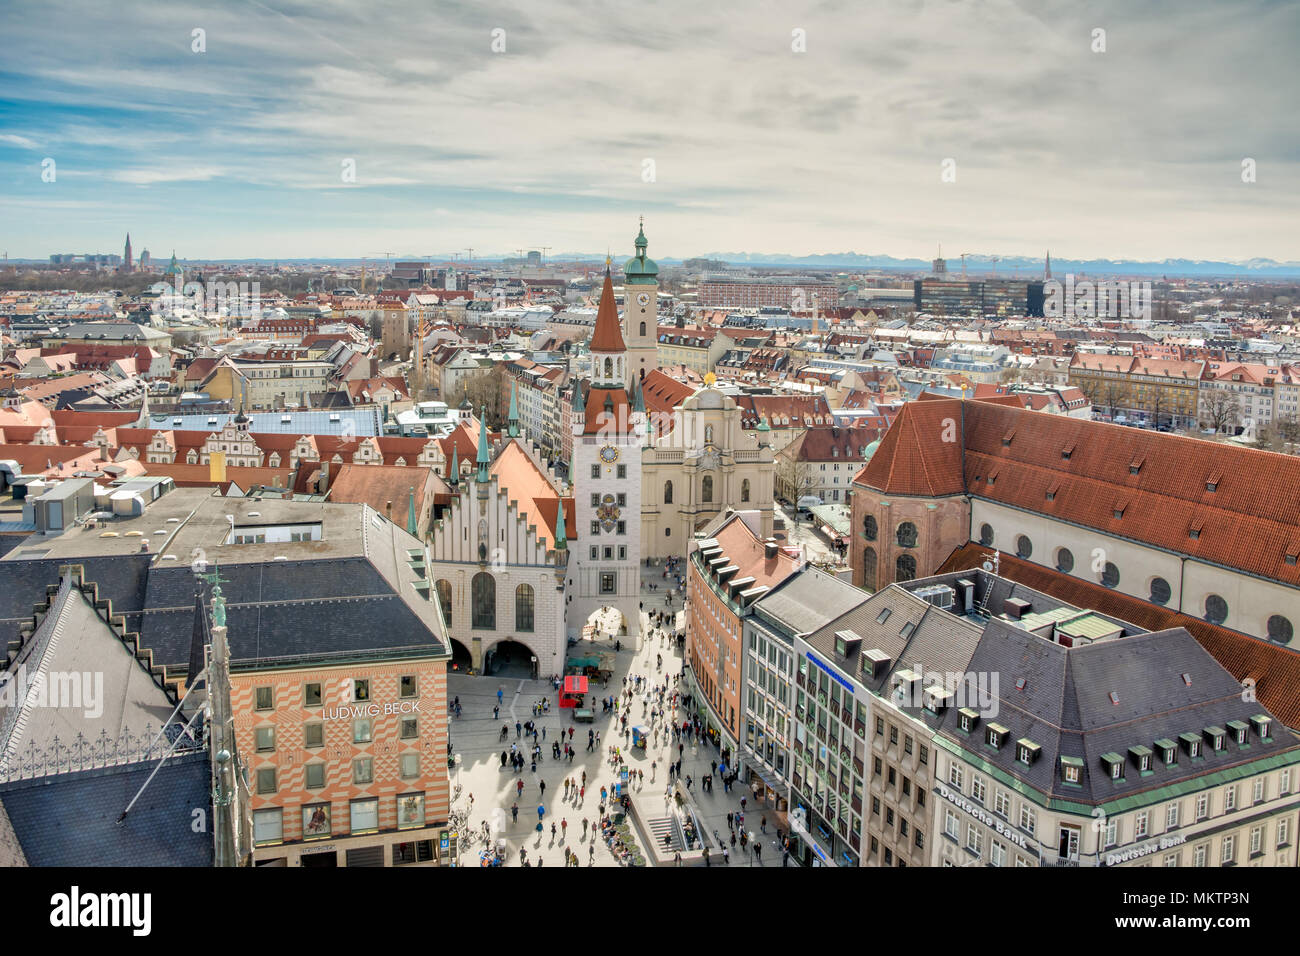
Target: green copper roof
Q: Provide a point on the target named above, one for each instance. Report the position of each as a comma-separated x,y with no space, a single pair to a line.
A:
640,270
513,429
410,514
561,536
579,406
455,467
483,460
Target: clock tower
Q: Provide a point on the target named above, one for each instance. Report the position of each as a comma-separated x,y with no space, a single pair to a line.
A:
608,424
641,310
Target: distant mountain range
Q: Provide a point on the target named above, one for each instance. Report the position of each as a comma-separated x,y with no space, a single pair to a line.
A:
1023,267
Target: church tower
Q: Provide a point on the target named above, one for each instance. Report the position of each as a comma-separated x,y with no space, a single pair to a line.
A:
641,309
604,560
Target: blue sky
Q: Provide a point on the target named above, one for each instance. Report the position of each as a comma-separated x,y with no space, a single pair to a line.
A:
237,151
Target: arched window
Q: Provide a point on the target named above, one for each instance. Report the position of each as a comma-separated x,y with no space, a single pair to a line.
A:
1110,575
706,489
668,492
907,538
1161,592
869,527
744,490
524,607
1280,629
609,369
444,598
986,535
643,328
1064,560
905,568
1216,609
484,601
869,568
1024,547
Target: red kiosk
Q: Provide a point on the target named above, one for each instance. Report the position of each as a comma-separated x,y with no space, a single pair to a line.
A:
574,694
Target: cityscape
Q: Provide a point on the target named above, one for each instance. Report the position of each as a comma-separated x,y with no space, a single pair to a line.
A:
616,549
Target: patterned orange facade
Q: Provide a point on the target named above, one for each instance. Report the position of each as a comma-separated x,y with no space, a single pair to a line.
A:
347,760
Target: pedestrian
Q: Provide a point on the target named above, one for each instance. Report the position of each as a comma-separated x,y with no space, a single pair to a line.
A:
758,851
591,854
519,786
564,826
519,730
543,733
726,857
762,823
730,821
582,795
542,785
570,732
496,712
552,829
584,828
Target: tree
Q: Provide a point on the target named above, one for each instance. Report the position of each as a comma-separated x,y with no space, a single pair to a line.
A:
1114,394
793,478
1222,409
485,389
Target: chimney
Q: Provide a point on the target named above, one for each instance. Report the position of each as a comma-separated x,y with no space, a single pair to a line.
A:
388,511
769,548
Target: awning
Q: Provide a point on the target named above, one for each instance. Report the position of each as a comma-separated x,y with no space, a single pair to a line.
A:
590,661
574,684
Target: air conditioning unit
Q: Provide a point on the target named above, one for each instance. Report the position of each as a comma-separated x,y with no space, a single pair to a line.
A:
940,595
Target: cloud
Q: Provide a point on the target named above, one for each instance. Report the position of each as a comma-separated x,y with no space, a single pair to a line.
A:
1132,152
141,176
13,139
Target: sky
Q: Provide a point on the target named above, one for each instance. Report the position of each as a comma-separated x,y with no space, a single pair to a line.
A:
769,127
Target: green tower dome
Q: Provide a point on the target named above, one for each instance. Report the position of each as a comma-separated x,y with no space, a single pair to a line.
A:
640,270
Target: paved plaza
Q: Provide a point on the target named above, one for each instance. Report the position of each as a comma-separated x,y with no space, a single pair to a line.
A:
476,737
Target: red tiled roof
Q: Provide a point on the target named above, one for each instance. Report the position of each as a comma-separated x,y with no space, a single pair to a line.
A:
921,453
1163,485
1274,669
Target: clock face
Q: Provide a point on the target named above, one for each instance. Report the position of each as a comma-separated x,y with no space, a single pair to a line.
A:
609,454
643,299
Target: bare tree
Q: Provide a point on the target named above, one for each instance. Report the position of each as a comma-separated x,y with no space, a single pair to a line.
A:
485,389
1222,409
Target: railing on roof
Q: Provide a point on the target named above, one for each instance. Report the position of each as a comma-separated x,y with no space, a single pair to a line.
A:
104,751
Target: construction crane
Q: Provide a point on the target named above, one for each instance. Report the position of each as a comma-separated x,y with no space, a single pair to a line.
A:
545,250
993,269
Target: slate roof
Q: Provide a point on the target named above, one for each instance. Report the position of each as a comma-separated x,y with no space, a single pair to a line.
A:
70,819
808,599
1065,706
1274,669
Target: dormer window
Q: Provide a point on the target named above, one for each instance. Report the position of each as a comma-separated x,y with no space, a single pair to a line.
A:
1216,736
1168,751
995,736
1071,770
1240,731
1263,723
1192,743
1114,765
968,719
1141,758
1027,751
1211,485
